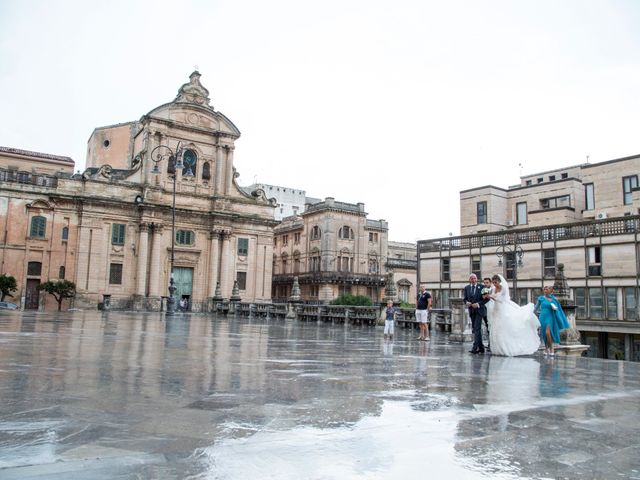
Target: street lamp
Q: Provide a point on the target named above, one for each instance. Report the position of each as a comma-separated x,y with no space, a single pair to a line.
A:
174,160
511,253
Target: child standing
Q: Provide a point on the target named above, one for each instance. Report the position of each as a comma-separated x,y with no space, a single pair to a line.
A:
389,320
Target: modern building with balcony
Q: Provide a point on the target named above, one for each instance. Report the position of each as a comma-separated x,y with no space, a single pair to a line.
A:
585,217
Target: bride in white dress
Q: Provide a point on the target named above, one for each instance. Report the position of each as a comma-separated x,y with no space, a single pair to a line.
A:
513,329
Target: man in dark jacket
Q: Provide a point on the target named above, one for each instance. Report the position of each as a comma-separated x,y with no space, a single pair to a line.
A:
423,305
475,302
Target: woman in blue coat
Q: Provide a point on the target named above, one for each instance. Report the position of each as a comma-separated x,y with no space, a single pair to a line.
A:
552,319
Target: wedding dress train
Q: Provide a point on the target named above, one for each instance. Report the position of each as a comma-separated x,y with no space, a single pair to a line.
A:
513,329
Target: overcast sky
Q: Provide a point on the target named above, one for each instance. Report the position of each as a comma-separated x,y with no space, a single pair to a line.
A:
399,105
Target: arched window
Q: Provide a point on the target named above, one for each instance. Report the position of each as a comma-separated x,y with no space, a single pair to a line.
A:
65,234
346,233
315,233
189,162
206,171
38,227
285,259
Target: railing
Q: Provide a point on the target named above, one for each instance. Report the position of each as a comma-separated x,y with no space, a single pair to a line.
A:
28,178
368,279
617,226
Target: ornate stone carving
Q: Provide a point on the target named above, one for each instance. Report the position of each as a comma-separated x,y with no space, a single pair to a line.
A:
193,92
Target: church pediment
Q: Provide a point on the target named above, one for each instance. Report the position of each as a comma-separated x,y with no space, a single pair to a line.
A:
192,108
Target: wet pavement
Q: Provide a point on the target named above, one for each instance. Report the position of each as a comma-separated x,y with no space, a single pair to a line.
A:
85,395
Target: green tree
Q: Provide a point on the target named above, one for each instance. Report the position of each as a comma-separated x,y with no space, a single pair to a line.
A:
353,300
60,290
8,285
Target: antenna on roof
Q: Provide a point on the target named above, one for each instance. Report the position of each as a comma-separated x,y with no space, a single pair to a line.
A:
587,158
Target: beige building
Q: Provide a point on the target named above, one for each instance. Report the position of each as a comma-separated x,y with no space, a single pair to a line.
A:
402,261
110,230
333,249
585,217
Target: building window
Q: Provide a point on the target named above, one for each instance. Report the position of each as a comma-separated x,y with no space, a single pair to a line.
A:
344,290
34,269
628,184
564,175
475,266
185,237
243,247
373,237
315,233
528,182
276,266
275,241
346,233
522,298
556,202
315,264
373,264
206,171
540,180
241,278
314,291
65,233
579,296
38,227
509,265
596,307
296,262
61,272
630,304
189,162
481,212
345,263
403,294
612,303
521,213
595,264
296,238
285,261
589,197
285,240
445,269
115,274
117,234
549,263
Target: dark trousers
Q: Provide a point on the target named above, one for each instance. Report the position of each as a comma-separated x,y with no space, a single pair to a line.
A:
476,329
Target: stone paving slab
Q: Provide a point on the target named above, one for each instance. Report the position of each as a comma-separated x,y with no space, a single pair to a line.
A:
89,395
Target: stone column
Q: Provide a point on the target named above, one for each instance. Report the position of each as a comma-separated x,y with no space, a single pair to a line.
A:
157,257
214,262
219,181
225,286
143,254
229,173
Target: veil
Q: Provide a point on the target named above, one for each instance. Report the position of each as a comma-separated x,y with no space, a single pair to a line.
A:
505,287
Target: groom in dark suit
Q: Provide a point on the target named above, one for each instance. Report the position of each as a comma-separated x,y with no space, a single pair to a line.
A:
476,305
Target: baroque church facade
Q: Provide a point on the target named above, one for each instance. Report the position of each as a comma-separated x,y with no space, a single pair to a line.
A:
115,229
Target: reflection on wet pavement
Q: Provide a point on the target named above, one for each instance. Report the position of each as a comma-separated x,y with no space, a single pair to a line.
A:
123,395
